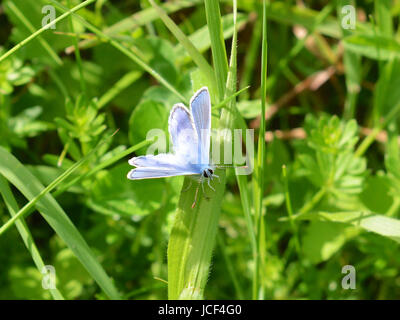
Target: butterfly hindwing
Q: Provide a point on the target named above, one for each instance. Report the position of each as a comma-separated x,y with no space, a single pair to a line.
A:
190,135
152,173
163,160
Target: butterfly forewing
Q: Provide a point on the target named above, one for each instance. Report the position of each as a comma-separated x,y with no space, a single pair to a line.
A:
190,135
201,110
183,134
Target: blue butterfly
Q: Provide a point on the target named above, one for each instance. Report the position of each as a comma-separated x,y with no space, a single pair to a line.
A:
190,134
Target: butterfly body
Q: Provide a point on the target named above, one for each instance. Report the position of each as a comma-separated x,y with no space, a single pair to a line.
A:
208,173
190,135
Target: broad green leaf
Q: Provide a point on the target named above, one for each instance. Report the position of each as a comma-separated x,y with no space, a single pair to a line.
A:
323,239
113,194
147,115
376,195
369,221
192,240
249,109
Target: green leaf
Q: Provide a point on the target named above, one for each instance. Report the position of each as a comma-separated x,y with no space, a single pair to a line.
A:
373,46
192,240
369,221
386,93
323,239
328,160
147,115
249,109
376,194
112,194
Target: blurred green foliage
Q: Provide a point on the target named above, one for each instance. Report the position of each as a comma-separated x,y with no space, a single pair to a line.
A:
48,123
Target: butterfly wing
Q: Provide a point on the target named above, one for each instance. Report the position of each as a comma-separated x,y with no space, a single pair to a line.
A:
200,106
183,134
162,160
152,173
185,138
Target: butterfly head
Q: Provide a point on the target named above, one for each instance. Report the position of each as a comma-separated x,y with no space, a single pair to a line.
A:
208,173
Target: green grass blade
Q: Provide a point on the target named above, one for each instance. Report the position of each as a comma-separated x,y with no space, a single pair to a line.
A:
16,173
201,37
64,187
231,269
122,49
118,87
231,116
27,208
260,163
187,44
365,144
251,56
44,28
193,234
353,72
23,230
102,166
289,209
228,99
31,28
284,62
136,20
192,240
77,54
220,59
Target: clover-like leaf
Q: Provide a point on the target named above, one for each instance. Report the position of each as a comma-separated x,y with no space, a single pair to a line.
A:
327,159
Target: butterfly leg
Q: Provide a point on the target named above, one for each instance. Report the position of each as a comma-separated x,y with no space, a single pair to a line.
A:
210,185
214,175
204,191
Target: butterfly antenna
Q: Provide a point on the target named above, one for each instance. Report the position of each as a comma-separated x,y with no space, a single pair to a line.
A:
195,197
